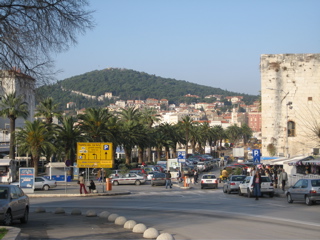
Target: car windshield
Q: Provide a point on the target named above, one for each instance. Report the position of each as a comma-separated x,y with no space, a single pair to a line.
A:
208,177
315,183
3,192
238,178
265,179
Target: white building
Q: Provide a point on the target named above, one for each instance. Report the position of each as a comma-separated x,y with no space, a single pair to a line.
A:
14,81
290,103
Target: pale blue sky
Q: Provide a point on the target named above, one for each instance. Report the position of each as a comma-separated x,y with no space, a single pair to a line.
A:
209,42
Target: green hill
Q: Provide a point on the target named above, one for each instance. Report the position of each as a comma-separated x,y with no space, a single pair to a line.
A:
129,85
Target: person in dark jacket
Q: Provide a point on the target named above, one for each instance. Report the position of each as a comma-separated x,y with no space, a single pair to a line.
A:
168,180
256,184
92,186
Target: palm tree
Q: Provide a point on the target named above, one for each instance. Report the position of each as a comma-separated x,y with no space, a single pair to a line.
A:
48,110
94,123
69,133
234,133
13,107
185,125
246,133
148,116
33,139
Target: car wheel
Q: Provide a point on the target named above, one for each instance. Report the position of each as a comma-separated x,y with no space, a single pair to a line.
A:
137,183
25,217
239,192
45,187
7,220
289,198
248,193
201,187
308,201
115,183
271,195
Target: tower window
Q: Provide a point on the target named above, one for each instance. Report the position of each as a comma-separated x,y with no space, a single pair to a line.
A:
291,129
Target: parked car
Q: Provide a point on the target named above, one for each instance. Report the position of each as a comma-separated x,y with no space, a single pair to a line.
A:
14,204
41,183
114,173
139,171
266,186
129,178
150,175
232,183
307,190
209,181
158,179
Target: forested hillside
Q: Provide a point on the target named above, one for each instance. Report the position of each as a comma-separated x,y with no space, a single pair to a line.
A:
129,84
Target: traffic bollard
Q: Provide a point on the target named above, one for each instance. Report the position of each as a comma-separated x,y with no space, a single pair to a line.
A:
108,184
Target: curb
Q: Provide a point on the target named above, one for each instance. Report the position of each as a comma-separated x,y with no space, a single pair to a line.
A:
12,234
31,195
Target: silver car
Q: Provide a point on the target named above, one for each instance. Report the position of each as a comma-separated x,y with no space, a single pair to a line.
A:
41,183
232,183
129,178
307,190
14,204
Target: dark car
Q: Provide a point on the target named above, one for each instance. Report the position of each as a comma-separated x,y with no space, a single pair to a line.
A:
307,190
158,179
14,204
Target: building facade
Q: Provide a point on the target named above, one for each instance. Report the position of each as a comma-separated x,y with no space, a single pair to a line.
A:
14,81
290,103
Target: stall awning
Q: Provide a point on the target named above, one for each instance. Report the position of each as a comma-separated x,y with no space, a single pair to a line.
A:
299,161
312,162
5,162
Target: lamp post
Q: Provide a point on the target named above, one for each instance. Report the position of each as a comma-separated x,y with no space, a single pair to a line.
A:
288,105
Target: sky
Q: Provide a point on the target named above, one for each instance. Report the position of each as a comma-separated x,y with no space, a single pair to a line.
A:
216,43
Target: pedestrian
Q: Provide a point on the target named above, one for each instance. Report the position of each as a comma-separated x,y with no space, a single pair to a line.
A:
275,178
256,184
82,184
195,176
244,171
92,186
168,179
179,176
99,175
283,178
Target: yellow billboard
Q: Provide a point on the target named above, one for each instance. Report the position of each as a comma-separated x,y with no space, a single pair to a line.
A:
94,155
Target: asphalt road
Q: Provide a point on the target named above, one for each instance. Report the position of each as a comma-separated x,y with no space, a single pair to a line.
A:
188,214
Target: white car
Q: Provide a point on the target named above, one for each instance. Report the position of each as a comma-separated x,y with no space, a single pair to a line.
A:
129,178
266,186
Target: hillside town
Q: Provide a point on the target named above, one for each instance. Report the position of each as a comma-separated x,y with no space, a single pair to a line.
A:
199,112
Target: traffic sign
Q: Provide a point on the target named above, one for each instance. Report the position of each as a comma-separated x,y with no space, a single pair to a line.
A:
94,155
256,155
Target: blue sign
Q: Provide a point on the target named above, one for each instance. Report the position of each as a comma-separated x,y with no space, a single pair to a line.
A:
26,178
105,147
181,155
256,155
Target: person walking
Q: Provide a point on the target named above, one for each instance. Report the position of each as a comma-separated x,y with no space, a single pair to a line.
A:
195,176
179,176
283,178
256,184
82,184
168,179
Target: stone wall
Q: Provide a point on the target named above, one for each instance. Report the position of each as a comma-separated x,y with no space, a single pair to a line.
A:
290,91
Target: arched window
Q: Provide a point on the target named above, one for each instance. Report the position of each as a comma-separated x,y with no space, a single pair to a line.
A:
291,129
